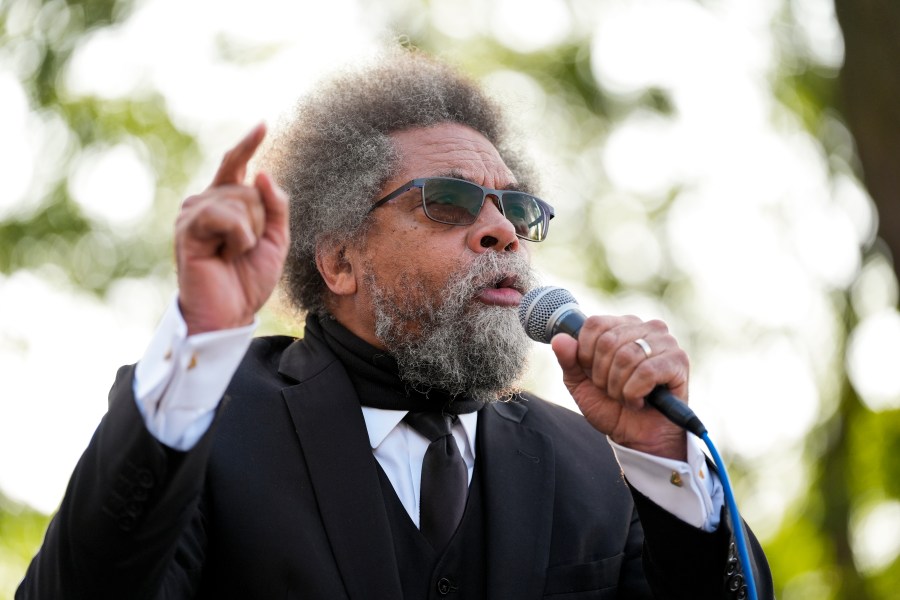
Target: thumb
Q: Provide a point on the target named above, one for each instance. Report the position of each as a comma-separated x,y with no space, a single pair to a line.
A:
565,347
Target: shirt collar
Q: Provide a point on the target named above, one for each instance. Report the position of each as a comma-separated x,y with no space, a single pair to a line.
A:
380,422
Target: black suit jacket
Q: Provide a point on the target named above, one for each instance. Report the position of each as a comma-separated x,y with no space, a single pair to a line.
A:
281,499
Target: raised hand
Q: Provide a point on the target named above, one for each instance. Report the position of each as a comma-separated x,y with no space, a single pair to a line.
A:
230,244
609,374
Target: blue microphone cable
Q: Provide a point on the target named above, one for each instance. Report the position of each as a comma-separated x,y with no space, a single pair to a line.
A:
740,539
679,413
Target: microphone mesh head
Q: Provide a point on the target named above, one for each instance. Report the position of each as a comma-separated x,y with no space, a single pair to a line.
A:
538,306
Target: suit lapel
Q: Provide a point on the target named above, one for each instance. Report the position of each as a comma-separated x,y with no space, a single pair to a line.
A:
327,417
519,482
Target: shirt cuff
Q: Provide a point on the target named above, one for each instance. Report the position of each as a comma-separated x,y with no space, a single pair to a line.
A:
180,380
688,490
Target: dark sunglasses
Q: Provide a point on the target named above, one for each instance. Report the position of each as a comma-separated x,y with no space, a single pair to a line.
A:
458,202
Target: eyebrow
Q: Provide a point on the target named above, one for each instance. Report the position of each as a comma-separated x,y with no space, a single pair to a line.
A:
457,174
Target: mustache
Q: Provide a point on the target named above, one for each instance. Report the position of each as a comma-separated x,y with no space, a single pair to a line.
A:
493,270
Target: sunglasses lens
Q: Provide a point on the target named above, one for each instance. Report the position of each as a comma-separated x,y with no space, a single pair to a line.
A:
526,215
458,202
452,201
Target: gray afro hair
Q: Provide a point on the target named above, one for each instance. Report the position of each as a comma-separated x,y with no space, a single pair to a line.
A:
334,154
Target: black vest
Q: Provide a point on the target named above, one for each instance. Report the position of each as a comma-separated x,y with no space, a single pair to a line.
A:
458,573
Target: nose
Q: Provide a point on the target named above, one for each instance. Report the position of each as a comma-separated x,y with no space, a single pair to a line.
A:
492,230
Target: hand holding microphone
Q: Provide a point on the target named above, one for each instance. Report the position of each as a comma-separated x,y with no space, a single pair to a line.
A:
617,368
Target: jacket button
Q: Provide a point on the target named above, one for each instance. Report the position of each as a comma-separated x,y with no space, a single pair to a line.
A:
127,522
731,566
134,509
445,586
145,478
735,583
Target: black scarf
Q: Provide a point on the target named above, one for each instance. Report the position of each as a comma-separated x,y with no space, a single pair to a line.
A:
376,376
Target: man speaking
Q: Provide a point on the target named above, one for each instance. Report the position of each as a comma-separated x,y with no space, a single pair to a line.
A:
388,453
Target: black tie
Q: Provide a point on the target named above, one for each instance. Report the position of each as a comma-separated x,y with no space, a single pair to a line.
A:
445,479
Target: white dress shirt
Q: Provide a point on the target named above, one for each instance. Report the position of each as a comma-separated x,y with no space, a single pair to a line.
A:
180,379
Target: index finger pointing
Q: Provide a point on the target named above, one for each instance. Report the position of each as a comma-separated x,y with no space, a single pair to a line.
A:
233,168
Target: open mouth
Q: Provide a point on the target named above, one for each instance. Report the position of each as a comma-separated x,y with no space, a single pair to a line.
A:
508,281
503,291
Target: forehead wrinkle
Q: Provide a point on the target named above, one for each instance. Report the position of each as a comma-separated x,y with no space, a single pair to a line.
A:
452,150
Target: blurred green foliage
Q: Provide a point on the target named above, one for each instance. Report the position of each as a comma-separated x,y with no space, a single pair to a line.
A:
21,530
851,456
55,231
37,40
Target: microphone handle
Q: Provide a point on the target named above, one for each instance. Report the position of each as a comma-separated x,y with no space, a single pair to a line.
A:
569,322
675,410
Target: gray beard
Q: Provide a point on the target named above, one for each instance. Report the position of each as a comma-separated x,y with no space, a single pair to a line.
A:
452,342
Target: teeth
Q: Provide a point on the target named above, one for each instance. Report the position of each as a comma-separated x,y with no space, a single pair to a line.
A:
505,281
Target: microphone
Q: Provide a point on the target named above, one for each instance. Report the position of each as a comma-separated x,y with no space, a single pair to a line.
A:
546,311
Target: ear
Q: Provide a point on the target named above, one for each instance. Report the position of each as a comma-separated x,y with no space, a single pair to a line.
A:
336,268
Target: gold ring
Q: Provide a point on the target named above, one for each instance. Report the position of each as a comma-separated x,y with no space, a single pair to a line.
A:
644,346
